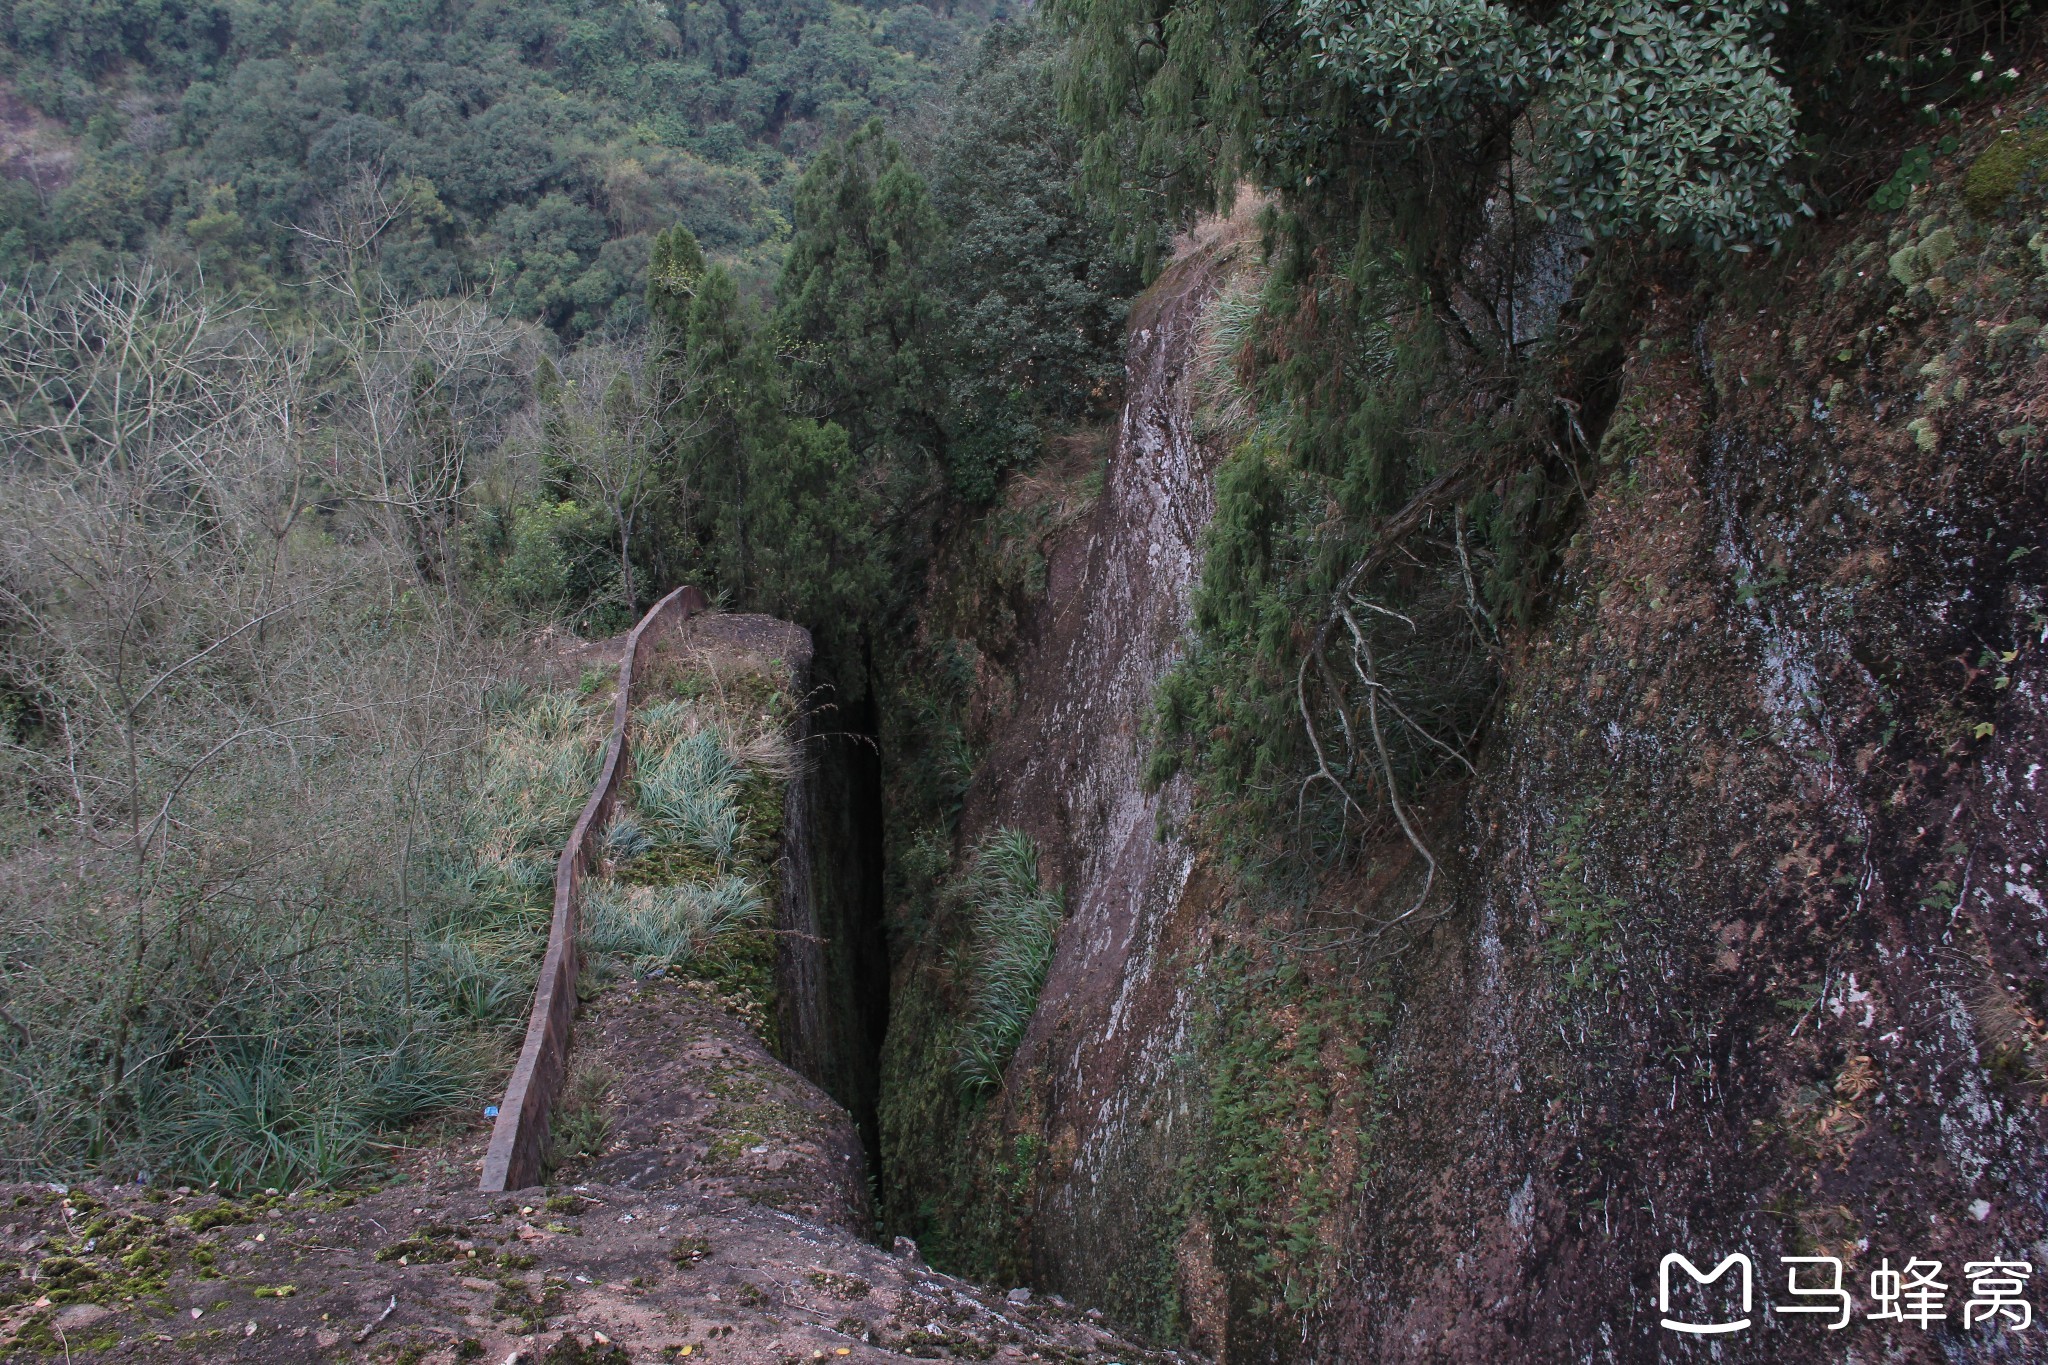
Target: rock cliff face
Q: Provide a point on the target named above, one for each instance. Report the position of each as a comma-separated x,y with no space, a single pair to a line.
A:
1744,948
1740,942
1066,767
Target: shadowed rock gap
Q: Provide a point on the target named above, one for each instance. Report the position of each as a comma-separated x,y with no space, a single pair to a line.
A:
835,832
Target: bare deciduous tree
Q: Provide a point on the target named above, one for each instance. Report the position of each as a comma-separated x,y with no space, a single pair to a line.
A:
239,704
605,424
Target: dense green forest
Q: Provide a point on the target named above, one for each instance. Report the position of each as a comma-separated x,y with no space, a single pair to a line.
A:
535,148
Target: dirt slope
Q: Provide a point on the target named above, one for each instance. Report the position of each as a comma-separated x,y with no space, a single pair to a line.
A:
726,1217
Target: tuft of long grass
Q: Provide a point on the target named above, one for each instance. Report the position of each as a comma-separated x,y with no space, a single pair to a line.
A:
669,926
298,1086
686,783
581,1126
479,978
1014,924
530,782
626,839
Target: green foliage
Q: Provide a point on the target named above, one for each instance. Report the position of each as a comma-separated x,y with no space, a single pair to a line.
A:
1014,922
1465,198
1336,372
279,1109
684,783
1251,502
675,266
689,865
550,555
1581,925
1625,116
853,309
552,139
1033,293
318,937
1641,115
1915,164
915,332
530,780
580,1126
818,551
281,1050
1173,104
781,511
1292,1081
962,1189
669,926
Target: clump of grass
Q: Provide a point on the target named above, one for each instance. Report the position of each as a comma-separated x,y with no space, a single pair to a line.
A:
625,839
1582,926
2016,1049
686,782
1015,921
668,926
530,782
305,1094
686,881
479,978
581,1125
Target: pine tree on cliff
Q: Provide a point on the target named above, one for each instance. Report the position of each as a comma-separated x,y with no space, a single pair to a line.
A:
774,508
1033,294
855,317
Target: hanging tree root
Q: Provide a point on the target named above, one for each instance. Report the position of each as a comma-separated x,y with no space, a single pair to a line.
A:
1371,749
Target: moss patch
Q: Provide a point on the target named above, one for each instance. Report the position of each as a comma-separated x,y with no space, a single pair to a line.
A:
1998,172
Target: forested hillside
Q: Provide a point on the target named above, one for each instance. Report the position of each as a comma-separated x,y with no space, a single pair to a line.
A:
531,149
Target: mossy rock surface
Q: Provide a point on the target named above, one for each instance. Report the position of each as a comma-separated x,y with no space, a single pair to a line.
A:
2002,169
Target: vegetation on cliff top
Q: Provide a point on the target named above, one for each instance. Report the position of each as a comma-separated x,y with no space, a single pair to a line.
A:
1421,394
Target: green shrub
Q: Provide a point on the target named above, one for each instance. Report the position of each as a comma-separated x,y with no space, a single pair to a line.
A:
1654,117
546,557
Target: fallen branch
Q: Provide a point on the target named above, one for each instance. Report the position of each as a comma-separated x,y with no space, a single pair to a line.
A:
378,1321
